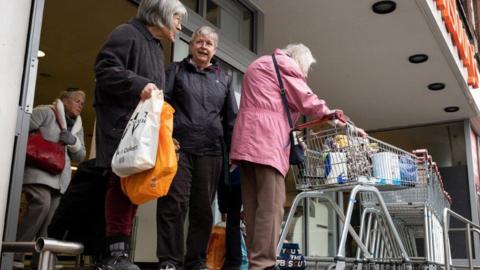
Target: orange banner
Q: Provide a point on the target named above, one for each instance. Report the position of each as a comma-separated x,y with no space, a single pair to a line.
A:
465,49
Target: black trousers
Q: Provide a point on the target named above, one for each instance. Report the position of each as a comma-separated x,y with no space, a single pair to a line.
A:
233,256
193,189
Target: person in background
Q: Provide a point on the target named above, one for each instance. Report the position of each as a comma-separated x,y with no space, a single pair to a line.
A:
41,188
261,144
230,206
205,110
129,66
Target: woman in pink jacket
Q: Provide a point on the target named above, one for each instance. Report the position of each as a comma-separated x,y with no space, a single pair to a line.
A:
261,144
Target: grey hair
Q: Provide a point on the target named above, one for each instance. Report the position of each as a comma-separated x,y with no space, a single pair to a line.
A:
206,31
69,92
302,55
160,12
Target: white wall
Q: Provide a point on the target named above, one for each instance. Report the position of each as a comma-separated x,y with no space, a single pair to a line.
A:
14,18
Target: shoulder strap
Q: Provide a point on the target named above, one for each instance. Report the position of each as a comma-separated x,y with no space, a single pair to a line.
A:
282,91
56,118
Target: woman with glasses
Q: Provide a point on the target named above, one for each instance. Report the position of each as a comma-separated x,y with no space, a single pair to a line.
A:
129,66
205,110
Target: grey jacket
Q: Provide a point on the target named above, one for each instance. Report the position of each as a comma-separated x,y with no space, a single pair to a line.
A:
43,118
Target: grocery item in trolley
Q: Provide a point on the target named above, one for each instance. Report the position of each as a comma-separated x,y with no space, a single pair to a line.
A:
386,168
336,170
408,170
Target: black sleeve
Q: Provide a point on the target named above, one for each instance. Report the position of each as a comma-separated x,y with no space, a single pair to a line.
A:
111,72
170,80
229,111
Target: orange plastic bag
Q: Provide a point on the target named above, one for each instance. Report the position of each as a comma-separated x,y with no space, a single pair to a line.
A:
216,247
155,183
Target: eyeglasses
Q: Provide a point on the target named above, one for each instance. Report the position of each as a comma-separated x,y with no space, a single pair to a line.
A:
206,43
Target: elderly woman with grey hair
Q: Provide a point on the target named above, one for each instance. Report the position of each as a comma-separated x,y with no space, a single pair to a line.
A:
129,66
60,122
261,143
205,110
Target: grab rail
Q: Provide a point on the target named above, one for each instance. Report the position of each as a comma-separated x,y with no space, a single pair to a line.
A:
47,249
470,227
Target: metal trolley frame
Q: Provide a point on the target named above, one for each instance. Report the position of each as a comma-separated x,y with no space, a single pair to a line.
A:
338,160
417,211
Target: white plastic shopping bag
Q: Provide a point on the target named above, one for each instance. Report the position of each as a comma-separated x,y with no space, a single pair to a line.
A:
137,150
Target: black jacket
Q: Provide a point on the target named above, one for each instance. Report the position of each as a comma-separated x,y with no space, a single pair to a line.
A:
130,58
205,107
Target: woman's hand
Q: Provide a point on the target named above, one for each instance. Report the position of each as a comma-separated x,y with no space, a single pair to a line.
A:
361,132
147,91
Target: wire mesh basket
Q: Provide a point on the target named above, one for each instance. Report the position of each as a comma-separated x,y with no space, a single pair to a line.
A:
409,204
338,156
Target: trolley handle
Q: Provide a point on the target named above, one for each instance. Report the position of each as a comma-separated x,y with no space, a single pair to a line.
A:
336,115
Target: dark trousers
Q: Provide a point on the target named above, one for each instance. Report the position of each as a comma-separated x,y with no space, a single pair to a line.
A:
231,194
119,211
193,189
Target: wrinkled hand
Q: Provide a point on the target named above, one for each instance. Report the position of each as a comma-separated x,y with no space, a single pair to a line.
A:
339,115
147,91
361,132
67,137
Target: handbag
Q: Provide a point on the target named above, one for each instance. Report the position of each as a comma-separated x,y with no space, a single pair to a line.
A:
297,154
46,155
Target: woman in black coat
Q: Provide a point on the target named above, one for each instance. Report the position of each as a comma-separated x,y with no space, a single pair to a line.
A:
128,68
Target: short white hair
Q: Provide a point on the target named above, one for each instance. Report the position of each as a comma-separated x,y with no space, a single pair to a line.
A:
206,31
160,12
302,56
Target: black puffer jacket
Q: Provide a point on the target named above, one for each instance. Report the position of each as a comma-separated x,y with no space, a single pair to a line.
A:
130,58
205,107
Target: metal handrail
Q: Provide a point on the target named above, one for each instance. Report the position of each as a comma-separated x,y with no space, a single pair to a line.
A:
47,249
470,227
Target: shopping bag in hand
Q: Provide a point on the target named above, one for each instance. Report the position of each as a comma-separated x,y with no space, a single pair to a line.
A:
216,247
137,150
154,183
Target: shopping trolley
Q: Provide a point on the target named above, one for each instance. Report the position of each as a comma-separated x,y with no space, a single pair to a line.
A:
339,160
417,212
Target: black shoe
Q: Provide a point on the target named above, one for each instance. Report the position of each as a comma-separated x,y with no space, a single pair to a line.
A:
273,267
167,266
119,262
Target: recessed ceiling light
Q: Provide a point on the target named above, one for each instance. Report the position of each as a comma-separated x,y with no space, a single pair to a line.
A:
436,86
418,58
451,109
40,54
384,7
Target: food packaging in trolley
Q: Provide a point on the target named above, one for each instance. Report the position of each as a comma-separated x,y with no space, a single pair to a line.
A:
335,167
386,168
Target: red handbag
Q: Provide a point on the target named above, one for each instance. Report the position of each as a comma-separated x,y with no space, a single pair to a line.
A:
46,155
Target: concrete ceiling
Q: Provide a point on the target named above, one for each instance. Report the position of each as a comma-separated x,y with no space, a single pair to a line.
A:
362,59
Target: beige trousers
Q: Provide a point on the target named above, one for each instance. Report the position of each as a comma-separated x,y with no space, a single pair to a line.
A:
263,196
